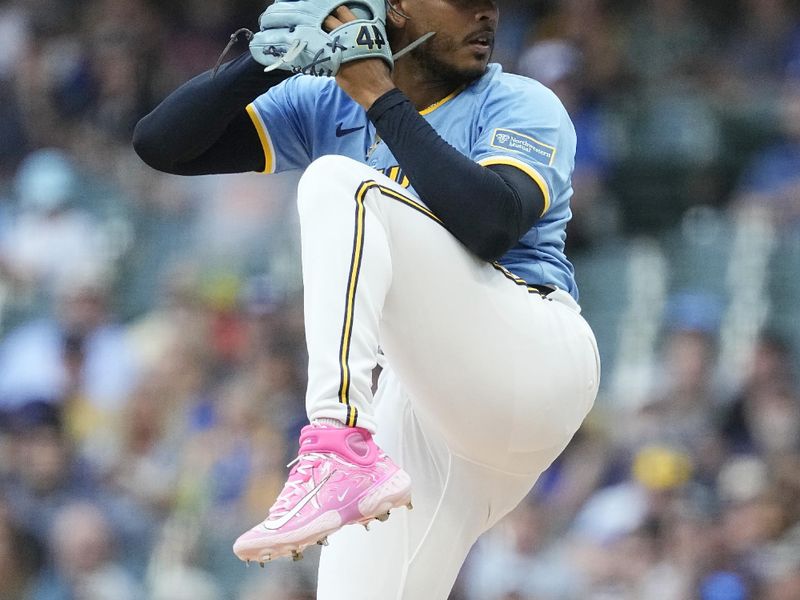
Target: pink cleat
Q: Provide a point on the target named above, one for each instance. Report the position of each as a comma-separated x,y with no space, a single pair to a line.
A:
339,477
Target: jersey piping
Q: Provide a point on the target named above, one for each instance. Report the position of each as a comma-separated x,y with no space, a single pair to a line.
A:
442,102
525,168
266,141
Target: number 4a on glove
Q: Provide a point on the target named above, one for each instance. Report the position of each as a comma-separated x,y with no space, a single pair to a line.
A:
370,39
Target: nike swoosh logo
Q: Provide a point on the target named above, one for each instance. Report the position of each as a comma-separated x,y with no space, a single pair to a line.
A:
341,132
342,497
277,524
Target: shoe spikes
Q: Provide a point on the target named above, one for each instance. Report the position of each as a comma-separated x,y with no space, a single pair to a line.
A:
298,554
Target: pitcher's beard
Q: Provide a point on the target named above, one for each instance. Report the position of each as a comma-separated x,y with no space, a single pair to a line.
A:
428,58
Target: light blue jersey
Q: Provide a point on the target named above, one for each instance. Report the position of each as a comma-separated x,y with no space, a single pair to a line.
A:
498,119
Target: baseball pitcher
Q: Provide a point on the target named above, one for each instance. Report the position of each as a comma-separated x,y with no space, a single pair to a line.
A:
433,207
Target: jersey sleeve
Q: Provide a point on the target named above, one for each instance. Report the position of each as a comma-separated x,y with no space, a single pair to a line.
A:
527,127
280,118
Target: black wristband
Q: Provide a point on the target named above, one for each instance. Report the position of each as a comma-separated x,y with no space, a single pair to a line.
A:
386,102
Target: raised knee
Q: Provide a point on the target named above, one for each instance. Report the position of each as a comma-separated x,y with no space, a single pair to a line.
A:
328,168
328,177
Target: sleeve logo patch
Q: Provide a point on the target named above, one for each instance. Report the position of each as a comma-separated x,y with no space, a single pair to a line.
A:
507,139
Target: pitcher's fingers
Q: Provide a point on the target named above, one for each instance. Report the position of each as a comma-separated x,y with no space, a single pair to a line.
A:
344,14
330,23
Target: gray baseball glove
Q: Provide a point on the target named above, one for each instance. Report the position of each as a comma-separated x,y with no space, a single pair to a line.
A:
292,37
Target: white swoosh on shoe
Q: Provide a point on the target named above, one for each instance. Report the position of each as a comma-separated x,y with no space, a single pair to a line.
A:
278,523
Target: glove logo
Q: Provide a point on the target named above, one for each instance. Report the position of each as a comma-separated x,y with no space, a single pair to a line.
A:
341,131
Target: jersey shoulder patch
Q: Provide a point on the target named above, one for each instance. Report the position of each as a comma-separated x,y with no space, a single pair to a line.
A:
507,139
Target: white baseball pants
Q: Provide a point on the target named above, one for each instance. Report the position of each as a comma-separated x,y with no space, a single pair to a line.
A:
486,381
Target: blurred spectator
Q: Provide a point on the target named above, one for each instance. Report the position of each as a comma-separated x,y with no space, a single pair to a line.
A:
13,142
20,557
517,18
759,48
588,462
643,537
232,462
519,558
764,419
49,239
724,586
79,356
172,573
47,475
559,65
753,521
143,460
173,336
668,132
771,361
123,32
185,584
783,585
753,515
680,411
667,41
771,182
281,584
84,568
14,26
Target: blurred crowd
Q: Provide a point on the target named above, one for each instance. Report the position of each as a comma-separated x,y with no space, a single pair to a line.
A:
152,356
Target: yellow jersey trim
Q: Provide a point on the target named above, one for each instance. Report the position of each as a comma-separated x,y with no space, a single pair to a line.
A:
527,169
533,289
443,101
266,141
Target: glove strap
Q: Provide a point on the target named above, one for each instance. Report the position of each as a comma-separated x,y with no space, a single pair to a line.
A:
234,38
413,45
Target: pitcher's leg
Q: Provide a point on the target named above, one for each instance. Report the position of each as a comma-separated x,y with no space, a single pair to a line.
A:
507,371
500,378
417,554
340,476
347,270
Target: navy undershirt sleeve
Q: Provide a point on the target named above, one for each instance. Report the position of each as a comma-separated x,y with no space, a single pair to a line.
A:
203,127
486,209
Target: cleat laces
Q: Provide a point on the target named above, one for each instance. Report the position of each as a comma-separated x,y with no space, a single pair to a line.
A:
302,471
301,481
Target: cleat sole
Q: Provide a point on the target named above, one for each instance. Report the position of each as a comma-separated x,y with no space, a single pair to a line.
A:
297,552
375,506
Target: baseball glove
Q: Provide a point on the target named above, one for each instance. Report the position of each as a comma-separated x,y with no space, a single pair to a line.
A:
292,36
